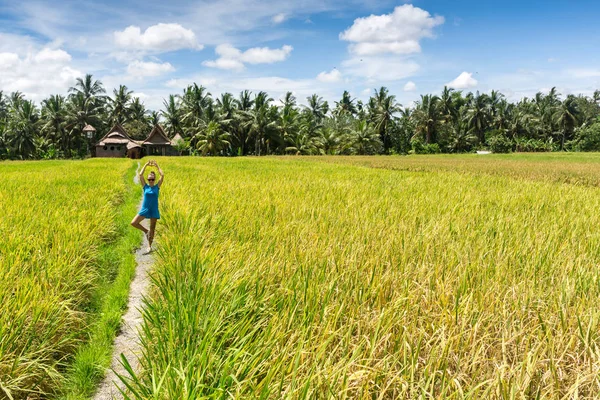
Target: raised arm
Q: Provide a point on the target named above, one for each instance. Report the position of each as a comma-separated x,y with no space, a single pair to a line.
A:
161,173
141,175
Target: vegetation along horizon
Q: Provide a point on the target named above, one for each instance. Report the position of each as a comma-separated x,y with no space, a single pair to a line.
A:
253,123
425,276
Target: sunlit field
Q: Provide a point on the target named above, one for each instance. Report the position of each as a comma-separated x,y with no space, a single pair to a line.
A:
427,277
55,218
573,168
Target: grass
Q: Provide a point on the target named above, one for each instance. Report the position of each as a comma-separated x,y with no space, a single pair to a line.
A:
307,278
61,245
117,264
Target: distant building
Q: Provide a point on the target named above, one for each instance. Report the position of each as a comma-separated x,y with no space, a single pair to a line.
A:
158,143
117,143
114,143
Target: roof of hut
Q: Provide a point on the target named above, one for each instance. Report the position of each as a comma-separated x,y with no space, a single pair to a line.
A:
116,135
157,137
134,143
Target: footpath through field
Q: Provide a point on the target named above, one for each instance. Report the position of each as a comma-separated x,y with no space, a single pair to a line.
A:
127,343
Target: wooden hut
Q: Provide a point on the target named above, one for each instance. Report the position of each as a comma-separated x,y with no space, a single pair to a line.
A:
134,149
158,143
114,143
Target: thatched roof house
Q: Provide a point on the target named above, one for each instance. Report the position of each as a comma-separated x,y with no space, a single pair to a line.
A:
114,143
158,143
117,143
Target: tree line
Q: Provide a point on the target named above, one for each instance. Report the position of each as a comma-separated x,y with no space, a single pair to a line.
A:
255,124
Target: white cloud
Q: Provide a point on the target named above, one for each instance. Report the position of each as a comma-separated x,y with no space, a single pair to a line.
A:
410,86
225,63
380,69
17,44
157,38
47,55
38,73
584,73
463,81
264,55
180,83
234,59
8,61
279,18
397,33
142,69
333,76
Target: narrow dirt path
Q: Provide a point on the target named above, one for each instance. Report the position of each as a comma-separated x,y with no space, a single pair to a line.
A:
127,341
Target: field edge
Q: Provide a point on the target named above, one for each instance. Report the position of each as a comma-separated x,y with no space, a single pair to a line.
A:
90,362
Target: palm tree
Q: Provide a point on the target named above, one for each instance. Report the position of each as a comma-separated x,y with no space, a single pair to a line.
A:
289,101
288,123
427,117
22,128
260,121
3,106
318,107
15,99
503,115
80,112
118,107
154,118
494,100
212,140
566,117
345,105
88,87
3,145
330,141
138,126
227,106
54,120
382,108
195,100
244,104
245,101
137,110
477,116
302,144
461,139
365,140
172,115
447,105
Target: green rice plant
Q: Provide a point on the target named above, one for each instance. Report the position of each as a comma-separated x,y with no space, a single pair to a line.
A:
56,216
312,278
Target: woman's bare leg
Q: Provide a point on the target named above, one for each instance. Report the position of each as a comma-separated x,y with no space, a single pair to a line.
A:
151,232
136,223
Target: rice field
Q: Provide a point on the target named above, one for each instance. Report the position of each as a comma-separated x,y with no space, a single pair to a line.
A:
56,218
454,277
448,277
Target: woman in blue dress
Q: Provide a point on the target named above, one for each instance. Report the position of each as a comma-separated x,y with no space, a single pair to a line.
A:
150,204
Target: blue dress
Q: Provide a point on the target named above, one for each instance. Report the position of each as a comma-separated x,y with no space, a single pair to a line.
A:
150,204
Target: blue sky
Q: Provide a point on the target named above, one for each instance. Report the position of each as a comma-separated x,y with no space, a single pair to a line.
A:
308,46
